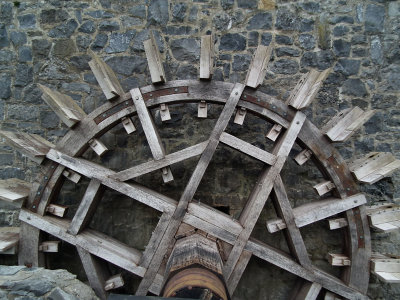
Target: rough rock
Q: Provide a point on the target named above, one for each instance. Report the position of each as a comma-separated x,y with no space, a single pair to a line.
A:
186,49
232,42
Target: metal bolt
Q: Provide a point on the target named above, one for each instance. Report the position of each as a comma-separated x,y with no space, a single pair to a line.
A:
45,177
273,107
52,167
38,193
33,206
297,122
104,115
258,100
151,95
126,102
348,189
236,93
176,90
245,96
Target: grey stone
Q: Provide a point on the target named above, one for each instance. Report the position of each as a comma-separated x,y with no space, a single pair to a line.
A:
48,119
6,14
247,3
81,62
35,286
64,47
286,20
227,4
222,21
376,50
266,38
99,14
83,42
358,39
307,41
27,21
127,65
394,9
391,77
87,27
25,112
193,14
4,41
76,87
359,13
50,16
64,30
354,87
286,51
108,26
6,159
186,72
252,40
283,40
24,75
138,11
175,30
359,52
5,86
140,37
158,12
310,6
393,55
24,54
18,38
285,66
128,21
342,19
10,270
306,25
59,294
241,62
232,42
340,30
347,66
32,94
100,41
341,48
325,59
41,48
186,49
179,12
374,18
119,42
260,21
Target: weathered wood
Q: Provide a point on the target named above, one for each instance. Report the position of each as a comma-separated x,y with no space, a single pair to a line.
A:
9,238
258,66
153,139
49,246
385,218
71,175
31,145
164,113
339,260
331,296
274,132
308,291
154,60
303,156
318,210
344,124
247,148
206,57
374,167
386,268
114,282
98,147
28,254
238,271
306,89
324,187
14,190
106,77
337,223
57,210
128,125
202,109
240,115
87,207
63,105
95,272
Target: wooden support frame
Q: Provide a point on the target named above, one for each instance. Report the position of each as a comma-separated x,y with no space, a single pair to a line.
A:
308,291
57,210
207,57
324,187
384,217
303,157
154,60
114,282
337,223
49,246
128,125
98,147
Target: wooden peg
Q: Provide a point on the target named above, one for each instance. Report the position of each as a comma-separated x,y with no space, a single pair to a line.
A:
274,132
306,89
324,187
50,246
31,145
114,282
303,156
240,115
167,174
164,113
57,210
258,66
72,175
14,191
384,217
154,60
128,125
343,125
206,57
374,167
386,268
337,223
339,260
63,105
97,146
106,77
202,109
9,238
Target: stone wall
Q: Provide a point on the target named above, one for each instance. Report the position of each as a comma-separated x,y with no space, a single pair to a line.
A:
48,41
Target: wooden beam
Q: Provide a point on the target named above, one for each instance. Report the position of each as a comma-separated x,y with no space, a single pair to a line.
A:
338,260
306,89
318,210
63,105
274,132
98,147
114,282
128,125
247,148
385,218
344,124
337,223
303,156
71,175
308,291
31,145
154,60
324,187
28,254
206,57
240,115
49,246
149,128
202,109
14,190
57,210
87,207
331,296
258,66
238,271
106,77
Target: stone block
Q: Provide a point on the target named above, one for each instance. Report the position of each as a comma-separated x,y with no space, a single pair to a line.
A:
119,42
18,38
127,65
27,21
87,27
108,26
374,18
179,12
4,41
64,30
24,75
64,47
5,86
186,49
260,21
100,41
157,13
24,54
232,42
41,48
354,87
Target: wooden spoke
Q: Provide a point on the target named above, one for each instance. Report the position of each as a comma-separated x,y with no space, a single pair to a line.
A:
31,240
237,273
308,291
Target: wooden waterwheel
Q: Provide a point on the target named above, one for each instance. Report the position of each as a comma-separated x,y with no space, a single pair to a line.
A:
195,250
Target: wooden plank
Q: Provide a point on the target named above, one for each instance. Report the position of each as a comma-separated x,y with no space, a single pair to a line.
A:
63,105
28,246
128,125
71,175
87,207
303,156
258,66
33,146
384,216
247,148
238,271
324,187
49,246
206,57
344,124
390,265
337,223
154,60
308,291
98,147
57,210
388,277
95,271
169,159
339,260
114,282
14,190
191,188
240,115
274,132
202,109
106,77
318,210
9,238
150,131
